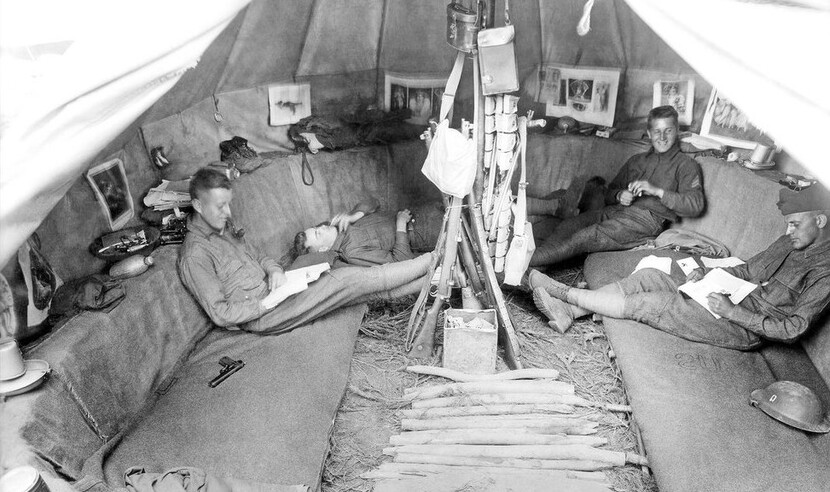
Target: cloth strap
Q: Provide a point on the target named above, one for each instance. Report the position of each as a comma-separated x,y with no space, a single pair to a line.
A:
520,217
448,97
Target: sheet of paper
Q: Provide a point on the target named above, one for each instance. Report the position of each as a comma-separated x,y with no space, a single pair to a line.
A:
307,274
297,281
719,281
721,262
283,292
651,261
688,265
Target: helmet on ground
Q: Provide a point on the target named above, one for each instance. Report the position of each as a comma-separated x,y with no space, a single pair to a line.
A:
792,403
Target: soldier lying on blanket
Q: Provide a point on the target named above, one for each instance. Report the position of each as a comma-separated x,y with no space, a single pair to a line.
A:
367,236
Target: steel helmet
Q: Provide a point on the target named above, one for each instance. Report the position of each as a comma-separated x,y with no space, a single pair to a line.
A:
792,403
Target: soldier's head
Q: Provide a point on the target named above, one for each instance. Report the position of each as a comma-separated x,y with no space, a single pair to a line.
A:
662,128
806,213
210,195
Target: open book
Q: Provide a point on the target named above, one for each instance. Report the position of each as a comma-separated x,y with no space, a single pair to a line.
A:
298,281
720,281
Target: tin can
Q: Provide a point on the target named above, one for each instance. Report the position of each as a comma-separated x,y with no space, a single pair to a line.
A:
23,479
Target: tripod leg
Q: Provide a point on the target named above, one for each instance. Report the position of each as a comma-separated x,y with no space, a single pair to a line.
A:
423,344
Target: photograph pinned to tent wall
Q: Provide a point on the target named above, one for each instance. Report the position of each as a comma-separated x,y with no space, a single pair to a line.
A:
419,94
586,94
679,94
288,104
724,122
109,182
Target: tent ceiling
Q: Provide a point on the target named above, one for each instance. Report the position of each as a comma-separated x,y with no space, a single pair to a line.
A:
74,87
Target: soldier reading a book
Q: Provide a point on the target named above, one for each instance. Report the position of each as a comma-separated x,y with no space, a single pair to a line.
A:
791,288
237,286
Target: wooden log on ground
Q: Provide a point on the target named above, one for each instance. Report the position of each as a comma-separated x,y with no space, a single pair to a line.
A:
514,416
502,399
576,427
493,421
530,373
426,468
582,465
491,437
489,387
488,480
541,452
430,413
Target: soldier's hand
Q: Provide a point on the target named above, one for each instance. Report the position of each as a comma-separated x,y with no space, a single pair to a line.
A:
720,304
695,275
643,187
275,279
625,198
404,216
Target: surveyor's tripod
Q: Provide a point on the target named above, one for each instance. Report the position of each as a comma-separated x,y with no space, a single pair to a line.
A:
464,234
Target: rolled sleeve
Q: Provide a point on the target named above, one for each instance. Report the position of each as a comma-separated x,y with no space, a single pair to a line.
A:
402,250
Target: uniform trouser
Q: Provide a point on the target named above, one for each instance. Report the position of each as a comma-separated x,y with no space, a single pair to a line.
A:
651,297
609,229
344,287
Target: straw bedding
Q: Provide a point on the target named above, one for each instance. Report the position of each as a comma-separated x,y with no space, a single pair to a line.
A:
367,416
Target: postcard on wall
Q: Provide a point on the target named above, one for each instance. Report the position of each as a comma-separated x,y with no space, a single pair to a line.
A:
585,94
288,104
679,94
421,95
724,122
109,182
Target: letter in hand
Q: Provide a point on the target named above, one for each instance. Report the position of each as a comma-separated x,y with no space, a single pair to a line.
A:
402,219
720,304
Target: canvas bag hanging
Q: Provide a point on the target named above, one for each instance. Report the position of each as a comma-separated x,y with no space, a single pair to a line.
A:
497,57
451,161
522,245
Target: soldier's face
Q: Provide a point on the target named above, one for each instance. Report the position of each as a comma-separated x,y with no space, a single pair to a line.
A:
663,134
214,206
803,228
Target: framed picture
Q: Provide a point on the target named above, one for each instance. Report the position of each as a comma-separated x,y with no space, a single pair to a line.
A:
109,182
420,95
288,104
679,94
585,94
723,121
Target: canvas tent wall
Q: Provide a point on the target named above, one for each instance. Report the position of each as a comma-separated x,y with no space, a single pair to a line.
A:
343,48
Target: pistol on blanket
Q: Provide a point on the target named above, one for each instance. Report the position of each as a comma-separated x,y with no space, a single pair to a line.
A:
229,366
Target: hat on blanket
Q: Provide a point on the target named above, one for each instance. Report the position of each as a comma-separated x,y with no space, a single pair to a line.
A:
816,197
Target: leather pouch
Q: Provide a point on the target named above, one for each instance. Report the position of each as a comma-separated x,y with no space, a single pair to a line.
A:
497,56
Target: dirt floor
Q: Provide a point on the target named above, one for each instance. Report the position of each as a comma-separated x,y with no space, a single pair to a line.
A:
367,416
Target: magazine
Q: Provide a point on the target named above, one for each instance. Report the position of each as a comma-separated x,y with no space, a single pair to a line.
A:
717,280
